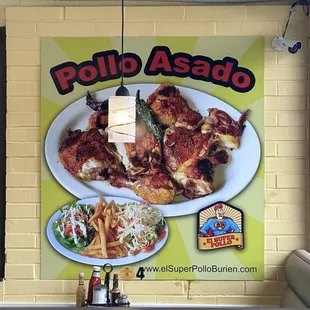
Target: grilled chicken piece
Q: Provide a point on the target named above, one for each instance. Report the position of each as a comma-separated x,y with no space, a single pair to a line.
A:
171,108
155,187
143,175
191,158
98,120
144,154
87,155
224,128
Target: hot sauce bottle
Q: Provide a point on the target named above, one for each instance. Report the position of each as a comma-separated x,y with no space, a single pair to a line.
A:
94,280
115,293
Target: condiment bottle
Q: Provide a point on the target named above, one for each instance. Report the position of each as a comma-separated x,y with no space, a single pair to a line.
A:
94,280
115,293
80,292
100,294
123,300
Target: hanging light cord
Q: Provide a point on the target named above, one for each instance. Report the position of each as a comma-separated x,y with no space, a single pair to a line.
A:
122,91
122,78
305,4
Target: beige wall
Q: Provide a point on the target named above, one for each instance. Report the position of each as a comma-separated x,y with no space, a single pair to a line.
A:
286,117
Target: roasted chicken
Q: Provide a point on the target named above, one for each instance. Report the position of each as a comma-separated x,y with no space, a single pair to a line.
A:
98,120
224,128
155,187
87,155
143,172
171,108
143,155
191,158
175,149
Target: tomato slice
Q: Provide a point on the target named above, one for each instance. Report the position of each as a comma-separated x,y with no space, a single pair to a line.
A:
78,231
120,224
149,248
162,234
68,231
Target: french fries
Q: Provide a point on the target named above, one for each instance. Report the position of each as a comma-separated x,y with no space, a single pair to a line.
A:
106,242
94,225
94,217
98,247
113,224
107,222
103,239
93,242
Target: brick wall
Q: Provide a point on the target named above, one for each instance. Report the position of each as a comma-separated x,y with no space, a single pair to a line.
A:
286,115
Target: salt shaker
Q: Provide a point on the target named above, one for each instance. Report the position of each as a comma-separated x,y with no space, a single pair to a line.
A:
100,294
123,300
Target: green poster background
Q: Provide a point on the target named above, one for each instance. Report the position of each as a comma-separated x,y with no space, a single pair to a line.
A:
180,249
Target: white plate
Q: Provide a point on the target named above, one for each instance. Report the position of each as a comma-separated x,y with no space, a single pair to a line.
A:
230,179
98,261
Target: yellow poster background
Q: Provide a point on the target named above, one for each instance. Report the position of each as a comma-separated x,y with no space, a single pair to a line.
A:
181,248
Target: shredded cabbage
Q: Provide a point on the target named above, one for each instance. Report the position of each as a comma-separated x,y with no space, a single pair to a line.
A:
140,223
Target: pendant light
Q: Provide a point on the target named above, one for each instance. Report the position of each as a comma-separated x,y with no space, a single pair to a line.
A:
122,108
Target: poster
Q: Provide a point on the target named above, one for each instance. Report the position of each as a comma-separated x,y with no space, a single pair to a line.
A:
206,96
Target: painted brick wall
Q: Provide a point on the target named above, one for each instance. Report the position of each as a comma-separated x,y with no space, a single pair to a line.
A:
286,115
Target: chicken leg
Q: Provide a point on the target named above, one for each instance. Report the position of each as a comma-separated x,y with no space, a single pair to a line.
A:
156,187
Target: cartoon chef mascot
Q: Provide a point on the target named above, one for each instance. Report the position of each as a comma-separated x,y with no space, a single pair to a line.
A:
219,225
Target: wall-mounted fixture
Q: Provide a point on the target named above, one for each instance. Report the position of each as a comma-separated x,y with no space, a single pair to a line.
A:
286,45
122,107
282,43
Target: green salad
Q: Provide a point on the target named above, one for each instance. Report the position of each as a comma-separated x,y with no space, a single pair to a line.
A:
72,229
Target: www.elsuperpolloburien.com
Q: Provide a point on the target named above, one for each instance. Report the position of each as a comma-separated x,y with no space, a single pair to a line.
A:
202,268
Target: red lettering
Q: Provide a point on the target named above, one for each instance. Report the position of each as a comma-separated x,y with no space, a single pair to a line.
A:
65,75
130,65
87,73
102,67
222,73
181,65
112,64
241,79
160,60
202,68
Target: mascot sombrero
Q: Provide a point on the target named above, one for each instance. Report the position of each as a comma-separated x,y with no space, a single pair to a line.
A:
219,224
